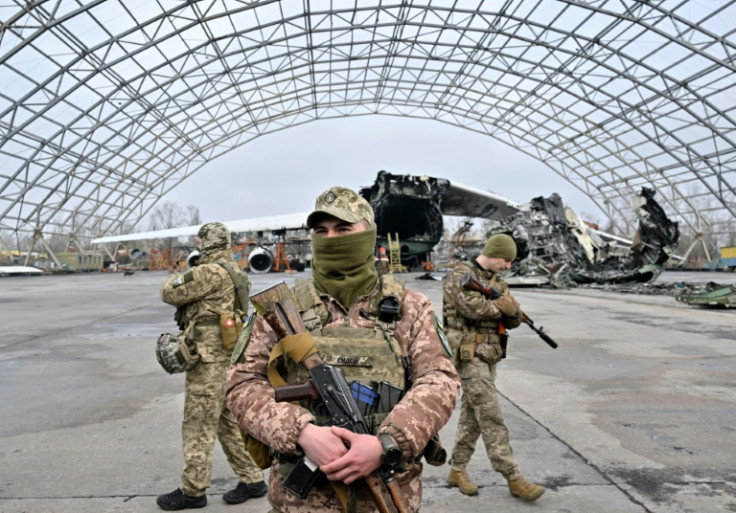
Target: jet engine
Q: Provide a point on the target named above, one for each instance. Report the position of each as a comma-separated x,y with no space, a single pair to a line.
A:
260,260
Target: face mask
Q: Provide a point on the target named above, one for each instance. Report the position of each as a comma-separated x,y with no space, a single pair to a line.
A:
344,266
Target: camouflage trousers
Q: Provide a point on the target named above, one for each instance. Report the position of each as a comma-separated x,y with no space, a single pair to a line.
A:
207,417
481,416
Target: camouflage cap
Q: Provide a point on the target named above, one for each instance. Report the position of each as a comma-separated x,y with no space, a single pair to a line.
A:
342,203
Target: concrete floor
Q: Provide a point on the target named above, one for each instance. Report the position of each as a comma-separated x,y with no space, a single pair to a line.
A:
635,412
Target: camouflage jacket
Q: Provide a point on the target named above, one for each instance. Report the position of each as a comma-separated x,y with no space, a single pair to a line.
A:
420,414
206,294
469,310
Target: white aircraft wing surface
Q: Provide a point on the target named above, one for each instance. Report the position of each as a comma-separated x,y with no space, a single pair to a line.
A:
463,200
255,224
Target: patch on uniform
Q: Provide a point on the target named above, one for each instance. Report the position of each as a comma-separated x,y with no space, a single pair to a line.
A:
238,355
183,279
343,360
444,343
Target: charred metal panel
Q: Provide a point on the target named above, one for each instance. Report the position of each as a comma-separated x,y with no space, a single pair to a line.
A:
554,243
408,206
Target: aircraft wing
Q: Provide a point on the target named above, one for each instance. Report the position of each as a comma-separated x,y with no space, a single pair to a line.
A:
466,201
255,224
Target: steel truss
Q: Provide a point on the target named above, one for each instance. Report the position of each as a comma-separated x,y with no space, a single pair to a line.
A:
106,106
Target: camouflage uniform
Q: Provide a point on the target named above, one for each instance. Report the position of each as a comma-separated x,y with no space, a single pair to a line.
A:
207,292
470,317
424,409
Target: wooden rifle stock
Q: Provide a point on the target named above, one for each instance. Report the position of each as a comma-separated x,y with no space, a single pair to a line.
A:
470,283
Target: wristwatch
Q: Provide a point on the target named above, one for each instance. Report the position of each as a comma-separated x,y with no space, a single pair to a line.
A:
391,452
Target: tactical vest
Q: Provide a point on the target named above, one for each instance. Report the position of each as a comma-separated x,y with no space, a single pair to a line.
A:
367,355
480,332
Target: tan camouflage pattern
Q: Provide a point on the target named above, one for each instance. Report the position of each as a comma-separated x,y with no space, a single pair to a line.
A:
208,294
214,237
420,414
344,204
480,412
206,416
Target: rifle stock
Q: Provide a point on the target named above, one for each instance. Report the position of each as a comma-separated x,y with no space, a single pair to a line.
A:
327,384
471,283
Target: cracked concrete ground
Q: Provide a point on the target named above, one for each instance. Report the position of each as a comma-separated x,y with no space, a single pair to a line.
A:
635,412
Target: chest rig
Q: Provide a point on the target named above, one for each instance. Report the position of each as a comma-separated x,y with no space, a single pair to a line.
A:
370,356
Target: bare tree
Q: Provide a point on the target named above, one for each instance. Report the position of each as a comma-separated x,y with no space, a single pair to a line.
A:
170,215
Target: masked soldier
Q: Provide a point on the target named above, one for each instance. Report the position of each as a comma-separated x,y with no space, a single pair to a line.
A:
476,330
209,308
378,333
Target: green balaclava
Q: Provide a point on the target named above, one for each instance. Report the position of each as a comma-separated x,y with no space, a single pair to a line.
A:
344,266
500,246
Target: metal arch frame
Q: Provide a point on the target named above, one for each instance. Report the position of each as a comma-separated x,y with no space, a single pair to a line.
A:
307,82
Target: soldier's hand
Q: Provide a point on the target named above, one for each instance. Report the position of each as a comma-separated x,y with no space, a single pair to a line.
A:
507,305
362,458
320,444
495,294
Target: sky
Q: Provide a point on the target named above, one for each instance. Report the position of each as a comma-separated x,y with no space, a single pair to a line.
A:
283,172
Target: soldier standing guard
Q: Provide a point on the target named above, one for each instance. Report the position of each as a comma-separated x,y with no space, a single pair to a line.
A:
476,329
207,296
374,330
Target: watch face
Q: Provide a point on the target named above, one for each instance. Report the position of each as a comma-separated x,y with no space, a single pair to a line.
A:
392,457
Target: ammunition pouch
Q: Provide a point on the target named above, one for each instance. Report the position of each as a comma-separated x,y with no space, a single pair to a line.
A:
231,326
489,353
467,351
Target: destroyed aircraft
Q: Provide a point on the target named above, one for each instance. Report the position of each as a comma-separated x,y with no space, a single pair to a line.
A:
410,209
556,247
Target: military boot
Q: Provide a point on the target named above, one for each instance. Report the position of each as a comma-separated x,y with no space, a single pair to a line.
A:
461,479
520,487
176,501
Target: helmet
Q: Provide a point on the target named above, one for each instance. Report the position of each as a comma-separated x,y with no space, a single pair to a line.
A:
174,355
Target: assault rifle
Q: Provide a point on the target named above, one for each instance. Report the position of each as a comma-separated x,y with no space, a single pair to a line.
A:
327,384
471,283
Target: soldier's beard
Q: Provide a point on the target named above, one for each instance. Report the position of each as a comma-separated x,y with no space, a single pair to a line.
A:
344,266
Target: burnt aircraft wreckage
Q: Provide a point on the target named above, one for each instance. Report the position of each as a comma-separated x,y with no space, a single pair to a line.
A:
557,248
410,209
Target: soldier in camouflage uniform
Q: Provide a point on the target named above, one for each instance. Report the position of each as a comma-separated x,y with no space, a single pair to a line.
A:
201,295
476,330
339,306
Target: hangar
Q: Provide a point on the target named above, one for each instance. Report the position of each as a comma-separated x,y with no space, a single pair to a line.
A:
108,105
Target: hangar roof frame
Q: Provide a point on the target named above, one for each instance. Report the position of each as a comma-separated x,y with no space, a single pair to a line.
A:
106,106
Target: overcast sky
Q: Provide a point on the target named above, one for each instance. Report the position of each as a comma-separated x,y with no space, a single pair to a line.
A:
284,172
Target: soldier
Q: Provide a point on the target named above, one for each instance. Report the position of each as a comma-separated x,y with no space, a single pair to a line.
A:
202,295
476,330
355,318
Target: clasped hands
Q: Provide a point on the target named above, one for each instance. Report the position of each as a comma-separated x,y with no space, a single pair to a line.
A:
341,454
